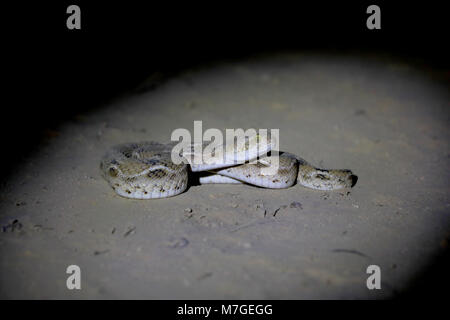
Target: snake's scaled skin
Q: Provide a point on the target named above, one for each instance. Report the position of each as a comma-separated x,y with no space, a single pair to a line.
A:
146,171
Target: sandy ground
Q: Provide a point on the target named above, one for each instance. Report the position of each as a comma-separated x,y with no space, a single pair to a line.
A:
385,120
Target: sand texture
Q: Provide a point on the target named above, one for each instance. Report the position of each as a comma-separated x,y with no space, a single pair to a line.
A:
384,119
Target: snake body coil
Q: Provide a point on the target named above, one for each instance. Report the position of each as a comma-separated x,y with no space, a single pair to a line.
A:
146,171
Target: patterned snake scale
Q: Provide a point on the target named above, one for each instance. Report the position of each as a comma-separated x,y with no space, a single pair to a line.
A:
145,170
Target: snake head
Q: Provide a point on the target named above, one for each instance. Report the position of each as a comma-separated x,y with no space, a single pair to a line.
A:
321,179
335,179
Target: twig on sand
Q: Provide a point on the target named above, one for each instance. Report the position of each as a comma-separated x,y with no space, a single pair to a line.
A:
358,253
253,223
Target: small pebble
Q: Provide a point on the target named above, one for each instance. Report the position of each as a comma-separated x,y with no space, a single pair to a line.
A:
247,245
296,204
178,243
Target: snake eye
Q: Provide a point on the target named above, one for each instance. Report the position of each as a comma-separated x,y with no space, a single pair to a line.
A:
112,172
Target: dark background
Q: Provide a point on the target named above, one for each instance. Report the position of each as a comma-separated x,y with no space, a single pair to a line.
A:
54,74
65,72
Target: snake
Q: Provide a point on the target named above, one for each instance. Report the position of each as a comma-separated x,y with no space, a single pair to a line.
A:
146,170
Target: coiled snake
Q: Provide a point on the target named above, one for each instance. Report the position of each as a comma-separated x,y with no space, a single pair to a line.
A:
146,171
